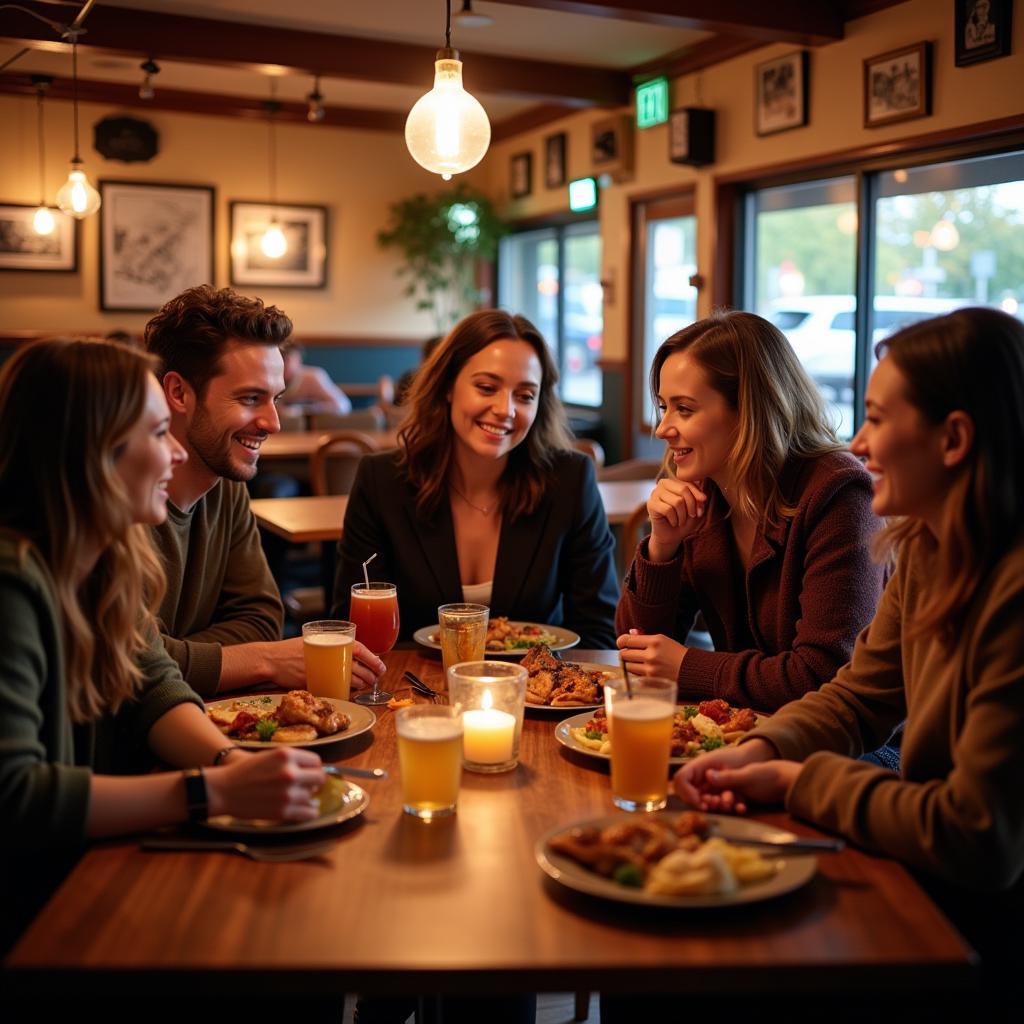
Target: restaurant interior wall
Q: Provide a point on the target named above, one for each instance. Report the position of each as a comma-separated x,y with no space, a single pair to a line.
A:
355,173
962,97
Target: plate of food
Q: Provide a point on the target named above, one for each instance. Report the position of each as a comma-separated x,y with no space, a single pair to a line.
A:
339,801
508,639
295,718
559,686
696,729
672,859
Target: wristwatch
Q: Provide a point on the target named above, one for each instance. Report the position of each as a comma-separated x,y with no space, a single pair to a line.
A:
195,794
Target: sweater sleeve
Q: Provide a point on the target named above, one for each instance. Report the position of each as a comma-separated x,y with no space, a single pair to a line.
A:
588,581
249,607
656,598
362,536
44,804
838,594
969,826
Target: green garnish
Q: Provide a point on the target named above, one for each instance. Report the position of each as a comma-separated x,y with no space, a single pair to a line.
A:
630,875
265,728
594,734
711,743
689,710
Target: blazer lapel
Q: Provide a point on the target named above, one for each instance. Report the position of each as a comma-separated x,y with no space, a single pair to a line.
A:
517,551
436,540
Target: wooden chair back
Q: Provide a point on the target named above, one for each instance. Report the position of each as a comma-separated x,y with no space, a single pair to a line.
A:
332,467
631,469
364,419
591,448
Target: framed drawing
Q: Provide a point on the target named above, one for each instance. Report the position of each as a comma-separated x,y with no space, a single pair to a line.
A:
155,241
23,248
304,261
611,146
520,175
554,160
983,30
780,93
897,85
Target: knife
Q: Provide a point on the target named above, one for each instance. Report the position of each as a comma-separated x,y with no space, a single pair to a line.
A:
780,841
356,773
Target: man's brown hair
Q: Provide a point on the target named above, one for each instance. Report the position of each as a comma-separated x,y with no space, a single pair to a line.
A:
190,333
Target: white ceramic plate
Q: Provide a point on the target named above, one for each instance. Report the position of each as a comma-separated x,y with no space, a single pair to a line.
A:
353,801
794,870
565,638
566,738
362,719
588,709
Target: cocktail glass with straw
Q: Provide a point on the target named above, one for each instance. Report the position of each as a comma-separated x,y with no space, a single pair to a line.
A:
374,610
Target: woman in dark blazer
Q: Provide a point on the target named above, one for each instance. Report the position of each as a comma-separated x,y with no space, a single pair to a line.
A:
484,500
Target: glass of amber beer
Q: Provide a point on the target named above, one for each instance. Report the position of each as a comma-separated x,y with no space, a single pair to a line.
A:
430,758
463,633
374,610
327,649
640,728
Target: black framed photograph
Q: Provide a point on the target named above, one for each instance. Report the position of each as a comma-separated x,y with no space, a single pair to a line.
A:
897,85
780,93
554,160
156,240
24,248
520,175
611,146
302,264
983,30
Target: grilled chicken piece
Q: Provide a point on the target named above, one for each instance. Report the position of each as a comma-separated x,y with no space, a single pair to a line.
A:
741,720
300,707
574,688
540,685
717,710
540,658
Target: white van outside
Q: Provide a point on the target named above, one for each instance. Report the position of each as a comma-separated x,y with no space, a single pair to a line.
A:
821,330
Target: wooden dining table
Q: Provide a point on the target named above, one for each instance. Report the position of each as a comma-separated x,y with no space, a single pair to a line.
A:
301,520
459,905
301,444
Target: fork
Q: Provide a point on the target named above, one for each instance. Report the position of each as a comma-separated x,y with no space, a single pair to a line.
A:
421,687
265,854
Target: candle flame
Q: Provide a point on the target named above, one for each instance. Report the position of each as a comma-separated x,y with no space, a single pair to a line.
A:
487,701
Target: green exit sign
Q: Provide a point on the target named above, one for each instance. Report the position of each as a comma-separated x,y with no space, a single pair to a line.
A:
652,103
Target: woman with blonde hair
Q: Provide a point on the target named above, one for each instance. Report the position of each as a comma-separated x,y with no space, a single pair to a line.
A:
87,693
761,524
942,440
485,500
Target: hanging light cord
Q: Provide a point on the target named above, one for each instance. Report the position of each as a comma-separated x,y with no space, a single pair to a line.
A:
448,25
272,140
42,151
74,93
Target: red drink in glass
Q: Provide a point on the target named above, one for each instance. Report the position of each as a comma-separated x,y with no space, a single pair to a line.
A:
374,610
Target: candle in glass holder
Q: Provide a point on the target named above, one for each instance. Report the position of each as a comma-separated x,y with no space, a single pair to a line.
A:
490,695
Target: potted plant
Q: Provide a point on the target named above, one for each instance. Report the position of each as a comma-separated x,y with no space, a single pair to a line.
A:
441,239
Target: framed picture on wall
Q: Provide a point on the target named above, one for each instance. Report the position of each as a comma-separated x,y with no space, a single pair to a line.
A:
303,264
155,241
983,30
520,175
897,85
780,93
554,160
23,248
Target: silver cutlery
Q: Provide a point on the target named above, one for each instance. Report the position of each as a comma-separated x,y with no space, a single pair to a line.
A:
784,841
419,686
340,770
265,854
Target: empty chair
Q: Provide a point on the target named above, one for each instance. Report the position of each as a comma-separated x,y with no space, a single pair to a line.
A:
364,419
332,467
591,448
631,469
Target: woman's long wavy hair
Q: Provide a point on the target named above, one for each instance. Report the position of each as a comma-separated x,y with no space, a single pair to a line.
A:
781,414
427,436
971,360
66,408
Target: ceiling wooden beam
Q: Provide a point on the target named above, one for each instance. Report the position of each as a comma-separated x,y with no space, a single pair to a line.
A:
122,94
264,49
807,22
694,58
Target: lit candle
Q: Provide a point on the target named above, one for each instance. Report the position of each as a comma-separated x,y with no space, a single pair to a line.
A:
488,735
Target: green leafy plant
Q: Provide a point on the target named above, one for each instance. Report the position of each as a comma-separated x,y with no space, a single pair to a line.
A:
441,238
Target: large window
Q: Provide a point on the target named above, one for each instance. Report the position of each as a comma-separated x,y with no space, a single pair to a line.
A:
838,264
552,277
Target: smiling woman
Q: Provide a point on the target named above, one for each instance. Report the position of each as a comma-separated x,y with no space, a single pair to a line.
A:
485,500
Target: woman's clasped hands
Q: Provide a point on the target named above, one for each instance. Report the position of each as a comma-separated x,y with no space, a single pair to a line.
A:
727,780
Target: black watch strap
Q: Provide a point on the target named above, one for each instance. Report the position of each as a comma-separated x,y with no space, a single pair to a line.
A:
195,794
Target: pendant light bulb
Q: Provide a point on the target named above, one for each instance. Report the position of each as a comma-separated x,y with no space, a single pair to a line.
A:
76,196
447,130
273,244
43,222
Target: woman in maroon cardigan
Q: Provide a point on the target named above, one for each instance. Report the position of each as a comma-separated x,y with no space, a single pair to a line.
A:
762,524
